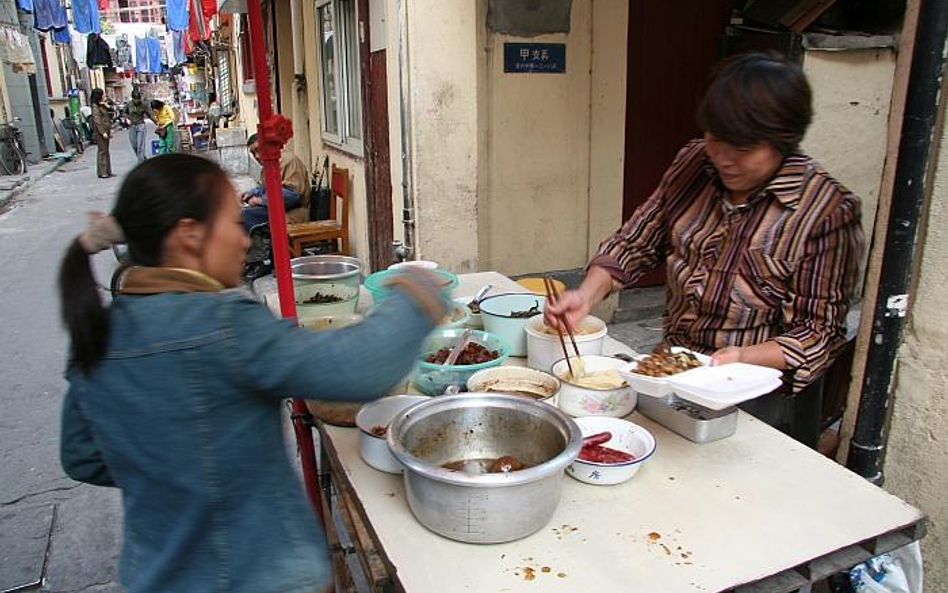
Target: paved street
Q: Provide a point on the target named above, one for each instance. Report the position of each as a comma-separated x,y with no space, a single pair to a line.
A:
51,528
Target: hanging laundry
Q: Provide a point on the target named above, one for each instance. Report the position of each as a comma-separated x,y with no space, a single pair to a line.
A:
49,14
123,53
177,11
78,48
199,26
25,5
85,16
15,50
141,54
103,5
209,7
62,35
177,45
97,52
154,55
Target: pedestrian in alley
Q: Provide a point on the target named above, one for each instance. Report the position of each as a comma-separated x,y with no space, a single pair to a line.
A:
176,389
101,133
761,245
137,111
163,116
294,180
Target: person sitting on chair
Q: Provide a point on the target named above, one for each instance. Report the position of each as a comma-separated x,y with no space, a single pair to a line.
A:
294,177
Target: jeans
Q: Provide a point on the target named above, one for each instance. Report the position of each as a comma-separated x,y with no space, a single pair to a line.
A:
136,135
257,215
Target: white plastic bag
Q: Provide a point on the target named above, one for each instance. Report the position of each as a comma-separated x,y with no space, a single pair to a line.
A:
898,571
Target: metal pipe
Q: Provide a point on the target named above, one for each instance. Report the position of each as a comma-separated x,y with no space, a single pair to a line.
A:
296,24
407,247
910,191
270,156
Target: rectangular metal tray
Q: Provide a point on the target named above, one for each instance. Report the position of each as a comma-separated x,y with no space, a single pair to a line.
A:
694,422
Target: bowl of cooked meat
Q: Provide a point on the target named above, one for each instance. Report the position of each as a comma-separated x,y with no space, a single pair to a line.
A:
613,450
483,467
482,351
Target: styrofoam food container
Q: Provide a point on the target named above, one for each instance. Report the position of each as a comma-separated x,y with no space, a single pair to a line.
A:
656,386
457,316
496,310
626,436
473,319
481,381
373,448
722,386
544,349
415,263
586,401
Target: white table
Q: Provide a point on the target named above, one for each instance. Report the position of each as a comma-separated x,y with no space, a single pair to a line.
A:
754,512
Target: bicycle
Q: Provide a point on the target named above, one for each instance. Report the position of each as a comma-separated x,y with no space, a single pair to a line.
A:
12,153
74,135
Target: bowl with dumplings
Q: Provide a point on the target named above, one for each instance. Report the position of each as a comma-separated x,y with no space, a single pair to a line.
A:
594,388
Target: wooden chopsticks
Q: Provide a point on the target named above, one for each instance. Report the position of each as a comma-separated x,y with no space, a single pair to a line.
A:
553,295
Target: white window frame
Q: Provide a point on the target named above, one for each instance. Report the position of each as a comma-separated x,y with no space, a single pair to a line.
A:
342,69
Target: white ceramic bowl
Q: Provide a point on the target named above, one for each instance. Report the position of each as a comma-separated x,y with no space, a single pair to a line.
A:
373,448
415,263
587,401
492,381
474,320
544,349
330,321
626,436
456,317
496,310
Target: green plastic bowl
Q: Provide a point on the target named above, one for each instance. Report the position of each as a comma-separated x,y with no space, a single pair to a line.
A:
434,379
377,283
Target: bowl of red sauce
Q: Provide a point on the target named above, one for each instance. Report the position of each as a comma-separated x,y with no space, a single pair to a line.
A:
613,451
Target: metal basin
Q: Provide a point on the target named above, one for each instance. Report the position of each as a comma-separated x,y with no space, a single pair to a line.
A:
490,507
323,268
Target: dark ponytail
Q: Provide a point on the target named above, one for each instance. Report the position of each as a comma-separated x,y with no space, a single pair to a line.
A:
86,319
154,197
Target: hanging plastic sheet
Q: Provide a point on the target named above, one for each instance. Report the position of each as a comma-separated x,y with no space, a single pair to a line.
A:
62,35
177,14
154,55
49,14
85,16
141,54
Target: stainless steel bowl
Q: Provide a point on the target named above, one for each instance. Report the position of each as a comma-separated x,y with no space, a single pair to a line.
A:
492,507
323,268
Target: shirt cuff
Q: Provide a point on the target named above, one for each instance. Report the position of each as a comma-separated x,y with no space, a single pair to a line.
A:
611,265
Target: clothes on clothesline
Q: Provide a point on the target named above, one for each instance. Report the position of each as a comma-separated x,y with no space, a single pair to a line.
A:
15,50
49,14
97,52
154,55
177,14
25,5
85,16
123,53
62,35
177,47
141,54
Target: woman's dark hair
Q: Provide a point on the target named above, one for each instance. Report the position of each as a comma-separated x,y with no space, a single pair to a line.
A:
156,104
154,197
96,96
758,98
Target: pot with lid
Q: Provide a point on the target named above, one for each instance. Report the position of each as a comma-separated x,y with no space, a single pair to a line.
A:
483,467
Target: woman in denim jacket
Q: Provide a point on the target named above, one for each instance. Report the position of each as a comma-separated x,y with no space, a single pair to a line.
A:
175,389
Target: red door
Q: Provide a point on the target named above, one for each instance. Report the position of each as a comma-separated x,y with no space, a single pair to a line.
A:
673,47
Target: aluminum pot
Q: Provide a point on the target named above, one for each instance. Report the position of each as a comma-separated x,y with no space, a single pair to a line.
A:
483,507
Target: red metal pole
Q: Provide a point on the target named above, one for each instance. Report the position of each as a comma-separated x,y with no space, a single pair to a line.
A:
273,132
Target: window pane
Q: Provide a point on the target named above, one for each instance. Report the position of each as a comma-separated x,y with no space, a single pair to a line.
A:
354,95
327,65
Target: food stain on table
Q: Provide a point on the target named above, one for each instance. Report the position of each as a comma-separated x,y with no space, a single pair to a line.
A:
563,530
532,569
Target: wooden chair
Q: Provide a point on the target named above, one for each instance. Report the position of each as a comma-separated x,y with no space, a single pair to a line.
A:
336,228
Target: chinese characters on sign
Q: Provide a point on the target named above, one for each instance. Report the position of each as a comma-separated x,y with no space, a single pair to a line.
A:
535,57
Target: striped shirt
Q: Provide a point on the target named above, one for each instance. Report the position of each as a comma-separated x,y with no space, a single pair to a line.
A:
781,267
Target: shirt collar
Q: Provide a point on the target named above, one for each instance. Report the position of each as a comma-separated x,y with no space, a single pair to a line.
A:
153,280
787,183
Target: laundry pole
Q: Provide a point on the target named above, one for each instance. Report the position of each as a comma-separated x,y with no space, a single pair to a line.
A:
273,132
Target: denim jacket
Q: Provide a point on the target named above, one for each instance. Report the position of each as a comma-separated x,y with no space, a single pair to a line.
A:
183,414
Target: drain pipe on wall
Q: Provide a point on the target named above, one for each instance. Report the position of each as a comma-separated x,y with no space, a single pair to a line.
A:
404,249
296,22
910,191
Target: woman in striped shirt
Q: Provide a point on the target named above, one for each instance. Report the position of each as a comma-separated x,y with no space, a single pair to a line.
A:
762,247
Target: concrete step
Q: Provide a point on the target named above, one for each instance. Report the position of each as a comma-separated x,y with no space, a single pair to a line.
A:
641,335
638,304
